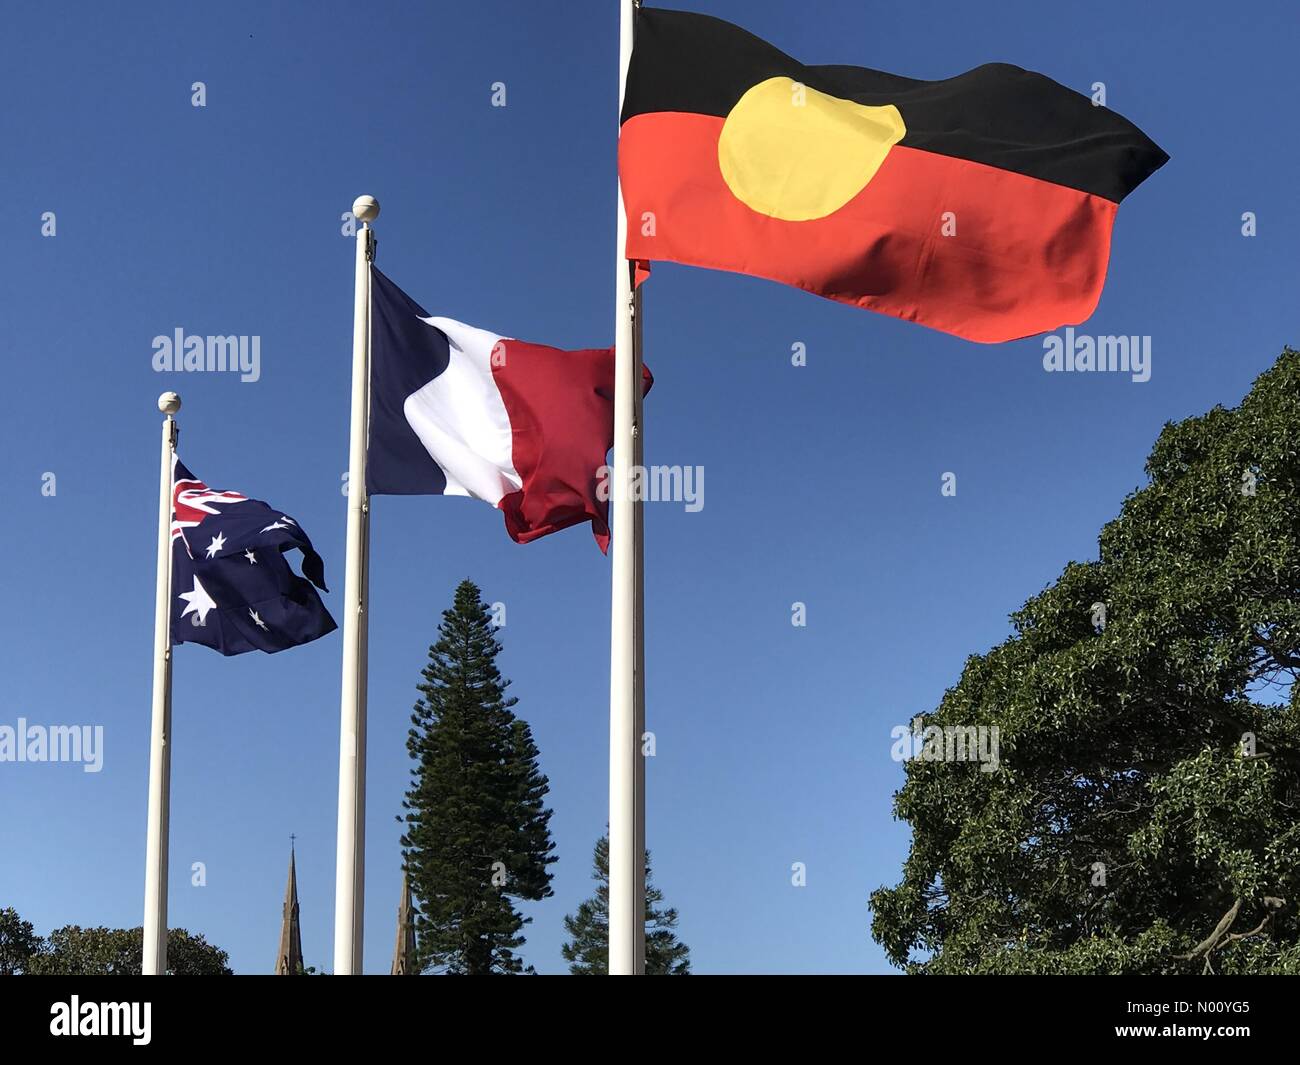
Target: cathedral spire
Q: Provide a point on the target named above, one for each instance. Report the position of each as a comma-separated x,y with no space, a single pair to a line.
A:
289,961
404,951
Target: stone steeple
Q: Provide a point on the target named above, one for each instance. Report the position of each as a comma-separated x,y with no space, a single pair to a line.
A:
404,951
289,961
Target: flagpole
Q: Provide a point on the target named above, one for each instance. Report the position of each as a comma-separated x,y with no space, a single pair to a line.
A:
154,962
627,680
350,873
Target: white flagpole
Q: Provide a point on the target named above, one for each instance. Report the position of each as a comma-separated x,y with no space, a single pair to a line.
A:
350,873
627,659
160,750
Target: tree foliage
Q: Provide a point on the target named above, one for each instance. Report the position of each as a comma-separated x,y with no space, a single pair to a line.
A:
1144,818
477,828
587,950
76,951
18,942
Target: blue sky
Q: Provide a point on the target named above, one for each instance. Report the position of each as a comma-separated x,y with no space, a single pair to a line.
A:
822,482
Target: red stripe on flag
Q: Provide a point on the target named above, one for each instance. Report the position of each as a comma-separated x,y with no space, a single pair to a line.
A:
1026,256
561,409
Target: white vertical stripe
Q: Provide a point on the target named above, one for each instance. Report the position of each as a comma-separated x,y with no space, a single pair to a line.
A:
461,419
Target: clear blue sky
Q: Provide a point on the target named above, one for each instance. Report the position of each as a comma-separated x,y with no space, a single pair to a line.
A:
822,483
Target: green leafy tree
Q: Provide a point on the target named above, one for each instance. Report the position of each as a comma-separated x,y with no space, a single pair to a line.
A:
1143,817
587,951
477,828
18,943
76,951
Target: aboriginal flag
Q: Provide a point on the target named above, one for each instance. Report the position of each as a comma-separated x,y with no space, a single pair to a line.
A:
980,205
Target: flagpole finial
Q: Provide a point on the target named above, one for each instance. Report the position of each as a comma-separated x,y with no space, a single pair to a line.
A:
169,403
365,208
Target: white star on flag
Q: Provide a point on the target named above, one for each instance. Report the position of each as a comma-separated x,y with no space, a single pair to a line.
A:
199,602
252,558
257,620
218,542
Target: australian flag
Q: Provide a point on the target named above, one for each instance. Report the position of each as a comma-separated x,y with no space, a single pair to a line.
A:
232,586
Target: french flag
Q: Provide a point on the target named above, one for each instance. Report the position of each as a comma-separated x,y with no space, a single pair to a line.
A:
456,410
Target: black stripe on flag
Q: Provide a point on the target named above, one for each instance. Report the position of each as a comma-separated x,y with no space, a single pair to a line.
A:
996,114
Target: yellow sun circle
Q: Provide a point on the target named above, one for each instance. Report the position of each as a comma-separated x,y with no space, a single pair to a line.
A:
794,153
